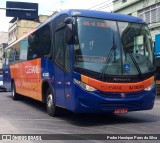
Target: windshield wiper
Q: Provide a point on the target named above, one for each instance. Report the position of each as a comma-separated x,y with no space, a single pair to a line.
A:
136,65
112,51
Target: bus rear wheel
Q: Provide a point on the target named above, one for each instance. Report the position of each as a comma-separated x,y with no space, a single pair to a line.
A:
15,95
50,104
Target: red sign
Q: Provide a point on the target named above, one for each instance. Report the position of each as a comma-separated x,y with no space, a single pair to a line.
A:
97,24
121,111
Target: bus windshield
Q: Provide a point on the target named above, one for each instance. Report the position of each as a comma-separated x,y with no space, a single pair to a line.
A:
113,47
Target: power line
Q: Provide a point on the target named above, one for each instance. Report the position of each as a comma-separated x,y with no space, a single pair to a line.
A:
99,4
104,7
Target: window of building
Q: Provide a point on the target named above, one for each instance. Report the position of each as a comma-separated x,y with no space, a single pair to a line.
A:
150,14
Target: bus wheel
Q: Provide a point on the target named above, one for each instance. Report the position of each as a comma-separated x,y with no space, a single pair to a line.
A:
50,104
15,95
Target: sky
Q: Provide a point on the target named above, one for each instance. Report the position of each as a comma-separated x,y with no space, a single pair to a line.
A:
46,7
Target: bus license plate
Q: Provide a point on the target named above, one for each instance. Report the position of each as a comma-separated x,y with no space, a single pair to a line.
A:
121,111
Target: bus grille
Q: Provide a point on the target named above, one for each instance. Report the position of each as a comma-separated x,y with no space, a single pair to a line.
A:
119,95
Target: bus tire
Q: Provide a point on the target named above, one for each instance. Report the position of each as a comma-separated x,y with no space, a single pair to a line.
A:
50,104
15,95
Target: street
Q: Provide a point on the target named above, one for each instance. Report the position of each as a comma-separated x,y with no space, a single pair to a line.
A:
27,116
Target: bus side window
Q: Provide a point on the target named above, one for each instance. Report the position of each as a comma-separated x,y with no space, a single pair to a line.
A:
11,55
32,45
44,42
23,49
59,47
6,61
6,58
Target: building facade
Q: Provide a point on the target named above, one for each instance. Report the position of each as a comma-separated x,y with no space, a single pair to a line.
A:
148,10
3,37
18,28
2,47
3,44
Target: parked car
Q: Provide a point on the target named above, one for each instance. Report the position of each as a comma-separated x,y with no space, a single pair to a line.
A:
2,88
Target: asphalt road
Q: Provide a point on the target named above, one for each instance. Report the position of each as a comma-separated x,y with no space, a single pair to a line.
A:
29,117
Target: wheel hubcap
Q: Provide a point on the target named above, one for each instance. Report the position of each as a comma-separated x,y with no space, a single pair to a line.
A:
50,101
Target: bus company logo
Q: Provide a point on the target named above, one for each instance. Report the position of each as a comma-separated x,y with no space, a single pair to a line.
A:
32,69
111,88
122,79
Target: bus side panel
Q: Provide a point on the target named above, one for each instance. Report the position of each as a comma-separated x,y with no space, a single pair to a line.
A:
6,77
47,71
62,92
27,77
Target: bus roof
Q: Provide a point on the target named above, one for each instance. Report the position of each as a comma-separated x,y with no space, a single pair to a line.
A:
95,14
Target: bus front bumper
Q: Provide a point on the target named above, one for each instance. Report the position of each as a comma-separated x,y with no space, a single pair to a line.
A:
97,102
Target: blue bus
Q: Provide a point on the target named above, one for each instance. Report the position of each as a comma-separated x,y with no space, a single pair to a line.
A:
157,61
85,61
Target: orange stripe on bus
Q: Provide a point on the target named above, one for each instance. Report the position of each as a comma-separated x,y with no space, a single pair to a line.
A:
117,87
84,79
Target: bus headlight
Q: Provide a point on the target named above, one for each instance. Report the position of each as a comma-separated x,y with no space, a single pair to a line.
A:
150,87
84,86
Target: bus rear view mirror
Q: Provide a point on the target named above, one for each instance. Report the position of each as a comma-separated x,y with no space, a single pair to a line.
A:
68,20
69,34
